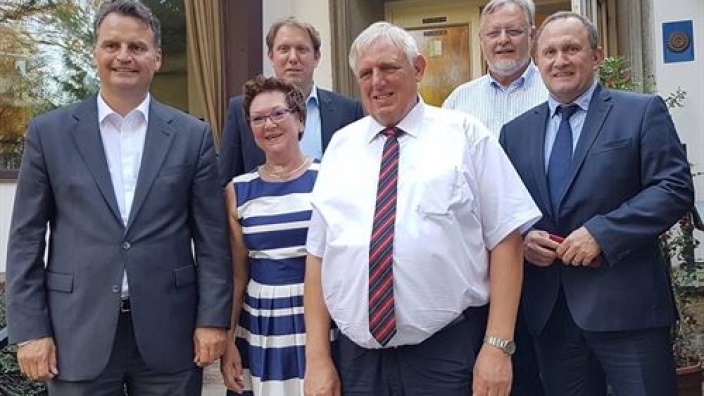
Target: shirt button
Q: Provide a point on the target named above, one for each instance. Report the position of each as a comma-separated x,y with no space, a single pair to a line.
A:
126,245
116,289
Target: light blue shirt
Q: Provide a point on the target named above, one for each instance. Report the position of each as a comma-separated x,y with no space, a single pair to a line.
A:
495,105
312,141
576,121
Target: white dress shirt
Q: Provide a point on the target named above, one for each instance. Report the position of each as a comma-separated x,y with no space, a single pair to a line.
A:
123,141
493,104
458,197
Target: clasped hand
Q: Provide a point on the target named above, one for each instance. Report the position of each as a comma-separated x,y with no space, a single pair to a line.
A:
579,248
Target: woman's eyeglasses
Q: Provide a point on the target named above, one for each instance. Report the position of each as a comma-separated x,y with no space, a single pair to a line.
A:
275,116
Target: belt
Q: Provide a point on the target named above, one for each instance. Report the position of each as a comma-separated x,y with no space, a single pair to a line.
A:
471,313
125,306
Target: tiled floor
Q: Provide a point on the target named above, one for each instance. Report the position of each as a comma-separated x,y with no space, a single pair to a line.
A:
212,381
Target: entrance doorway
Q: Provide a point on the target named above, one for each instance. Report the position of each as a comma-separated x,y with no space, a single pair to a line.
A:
446,50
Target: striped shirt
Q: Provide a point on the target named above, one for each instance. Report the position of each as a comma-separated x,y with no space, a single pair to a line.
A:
493,104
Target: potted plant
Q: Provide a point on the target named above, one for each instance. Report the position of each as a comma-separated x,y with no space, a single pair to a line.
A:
678,245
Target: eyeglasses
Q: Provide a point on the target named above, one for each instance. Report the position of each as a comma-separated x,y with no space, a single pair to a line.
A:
511,32
275,116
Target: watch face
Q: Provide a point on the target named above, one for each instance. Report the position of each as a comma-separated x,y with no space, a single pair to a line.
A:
510,347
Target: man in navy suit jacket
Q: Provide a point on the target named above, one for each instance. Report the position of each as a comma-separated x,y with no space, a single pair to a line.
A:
599,301
294,51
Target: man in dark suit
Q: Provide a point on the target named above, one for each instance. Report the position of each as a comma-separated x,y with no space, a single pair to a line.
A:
137,285
610,175
294,52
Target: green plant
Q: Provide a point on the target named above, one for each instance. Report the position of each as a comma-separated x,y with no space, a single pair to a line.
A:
615,73
678,245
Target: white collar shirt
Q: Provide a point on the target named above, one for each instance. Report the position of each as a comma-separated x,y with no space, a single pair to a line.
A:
123,142
495,105
458,197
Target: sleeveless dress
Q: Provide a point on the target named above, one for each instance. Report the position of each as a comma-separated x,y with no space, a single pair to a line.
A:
271,334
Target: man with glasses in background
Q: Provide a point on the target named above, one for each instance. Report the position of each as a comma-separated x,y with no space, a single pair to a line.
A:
511,86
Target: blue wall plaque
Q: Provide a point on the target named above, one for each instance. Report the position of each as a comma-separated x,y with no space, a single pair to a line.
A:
678,41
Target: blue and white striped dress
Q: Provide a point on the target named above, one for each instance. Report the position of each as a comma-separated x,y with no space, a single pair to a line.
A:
274,217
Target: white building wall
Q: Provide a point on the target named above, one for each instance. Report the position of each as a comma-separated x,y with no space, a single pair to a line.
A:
315,12
7,199
689,119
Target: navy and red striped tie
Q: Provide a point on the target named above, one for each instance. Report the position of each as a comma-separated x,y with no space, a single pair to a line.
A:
382,316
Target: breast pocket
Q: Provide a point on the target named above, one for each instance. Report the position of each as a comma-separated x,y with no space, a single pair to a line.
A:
441,190
612,147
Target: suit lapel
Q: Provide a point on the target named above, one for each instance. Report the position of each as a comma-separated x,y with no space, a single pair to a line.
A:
86,136
327,116
537,148
599,108
156,145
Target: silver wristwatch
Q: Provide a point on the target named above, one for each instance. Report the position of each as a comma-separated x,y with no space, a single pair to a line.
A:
508,346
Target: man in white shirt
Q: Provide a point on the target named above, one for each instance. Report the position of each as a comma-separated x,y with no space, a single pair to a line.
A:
512,84
511,87
407,275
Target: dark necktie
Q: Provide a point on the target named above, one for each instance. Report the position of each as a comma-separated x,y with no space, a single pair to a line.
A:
561,156
382,316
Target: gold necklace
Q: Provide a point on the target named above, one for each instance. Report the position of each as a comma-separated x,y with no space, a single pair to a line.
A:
287,175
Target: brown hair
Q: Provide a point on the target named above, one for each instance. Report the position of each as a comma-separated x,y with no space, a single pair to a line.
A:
293,22
260,84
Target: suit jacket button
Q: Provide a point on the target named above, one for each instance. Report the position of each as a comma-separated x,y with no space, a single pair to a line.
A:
126,245
116,289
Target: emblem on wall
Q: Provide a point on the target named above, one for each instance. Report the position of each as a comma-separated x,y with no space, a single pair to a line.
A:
677,41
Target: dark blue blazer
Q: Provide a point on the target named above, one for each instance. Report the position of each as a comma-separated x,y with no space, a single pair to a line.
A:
238,151
629,181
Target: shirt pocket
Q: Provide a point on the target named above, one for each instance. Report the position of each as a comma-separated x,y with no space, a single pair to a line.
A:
441,190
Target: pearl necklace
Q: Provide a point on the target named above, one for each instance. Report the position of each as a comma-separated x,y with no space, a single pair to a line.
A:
287,175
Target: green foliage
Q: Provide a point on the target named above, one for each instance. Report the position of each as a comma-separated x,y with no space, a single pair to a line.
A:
676,99
678,245
615,73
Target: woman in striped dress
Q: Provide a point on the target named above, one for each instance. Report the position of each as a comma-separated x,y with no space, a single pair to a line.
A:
269,210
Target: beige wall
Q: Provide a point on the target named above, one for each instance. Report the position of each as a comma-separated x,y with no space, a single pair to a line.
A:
7,198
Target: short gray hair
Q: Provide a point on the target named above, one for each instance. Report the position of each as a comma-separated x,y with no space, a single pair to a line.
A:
591,29
527,6
383,31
